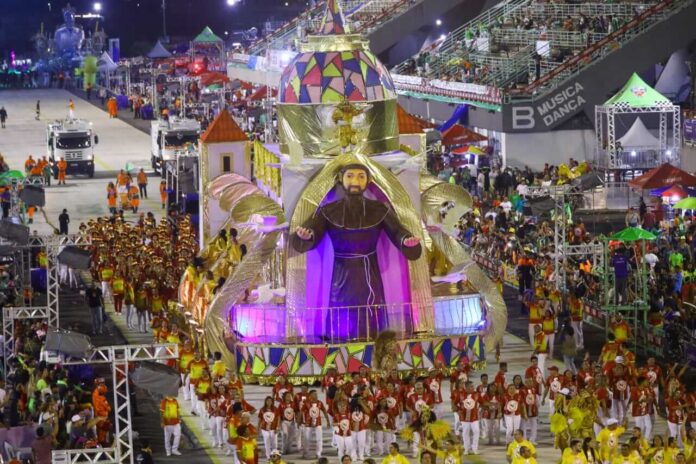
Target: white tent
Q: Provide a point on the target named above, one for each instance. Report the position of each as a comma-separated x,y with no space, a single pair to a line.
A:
675,75
158,51
638,136
106,64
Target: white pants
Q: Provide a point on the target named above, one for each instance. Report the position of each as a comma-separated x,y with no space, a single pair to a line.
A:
344,445
644,423
218,425
359,445
416,444
130,309
384,438
288,429
194,398
172,437
106,291
308,432
550,338
541,357
529,427
270,441
186,386
470,436
579,337
618,409
552,406
530,330
493,431
674,432
512,423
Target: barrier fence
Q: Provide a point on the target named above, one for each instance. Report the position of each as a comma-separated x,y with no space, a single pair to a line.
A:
594,314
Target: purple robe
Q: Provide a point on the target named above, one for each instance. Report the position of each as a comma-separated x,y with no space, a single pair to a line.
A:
354,225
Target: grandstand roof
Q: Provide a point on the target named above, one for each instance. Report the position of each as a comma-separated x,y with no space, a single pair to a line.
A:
636,93
224,129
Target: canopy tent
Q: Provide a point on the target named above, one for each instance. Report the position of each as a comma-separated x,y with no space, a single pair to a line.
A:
638,136
469,150
212,78
158,51
261,93
410,124
636,93
207,36
460,135
636,97
674,78
674,191
633,234
686,203
662,176
105,63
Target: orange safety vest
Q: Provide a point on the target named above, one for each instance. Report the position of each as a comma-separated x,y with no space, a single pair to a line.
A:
62,165
142,178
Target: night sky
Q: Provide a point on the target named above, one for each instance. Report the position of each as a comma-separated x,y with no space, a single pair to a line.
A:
138,23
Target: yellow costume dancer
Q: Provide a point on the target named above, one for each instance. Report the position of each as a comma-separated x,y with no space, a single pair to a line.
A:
559,421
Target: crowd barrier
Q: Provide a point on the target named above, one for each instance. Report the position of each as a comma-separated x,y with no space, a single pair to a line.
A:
594,314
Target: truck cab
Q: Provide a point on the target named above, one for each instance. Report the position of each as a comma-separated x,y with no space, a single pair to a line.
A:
74,141
171,137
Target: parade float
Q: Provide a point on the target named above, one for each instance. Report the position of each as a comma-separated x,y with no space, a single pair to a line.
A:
337,248
70,47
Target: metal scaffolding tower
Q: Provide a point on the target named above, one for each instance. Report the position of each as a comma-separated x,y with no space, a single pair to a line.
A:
560,194
119,357
50,312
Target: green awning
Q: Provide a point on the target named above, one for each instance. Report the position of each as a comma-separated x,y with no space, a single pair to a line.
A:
207,36
636,93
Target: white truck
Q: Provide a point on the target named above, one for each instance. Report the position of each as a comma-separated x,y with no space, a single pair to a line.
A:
74,141
172,137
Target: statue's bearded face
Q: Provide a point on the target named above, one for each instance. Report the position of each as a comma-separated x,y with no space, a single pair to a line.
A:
355,181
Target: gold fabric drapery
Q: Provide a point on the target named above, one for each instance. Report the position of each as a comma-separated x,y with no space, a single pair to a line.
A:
259,250
311,126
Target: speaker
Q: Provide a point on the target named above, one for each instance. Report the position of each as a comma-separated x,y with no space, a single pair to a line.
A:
33,195
14,232
75,257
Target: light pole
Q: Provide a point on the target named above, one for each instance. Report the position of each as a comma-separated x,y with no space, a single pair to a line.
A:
164,20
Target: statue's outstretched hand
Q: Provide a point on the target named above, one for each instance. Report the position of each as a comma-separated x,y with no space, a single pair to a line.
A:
411,242
304,233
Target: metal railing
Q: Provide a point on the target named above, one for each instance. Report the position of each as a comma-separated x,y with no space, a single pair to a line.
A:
458,39
598,50
91,456
362,15
520,66
545,11
268,323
